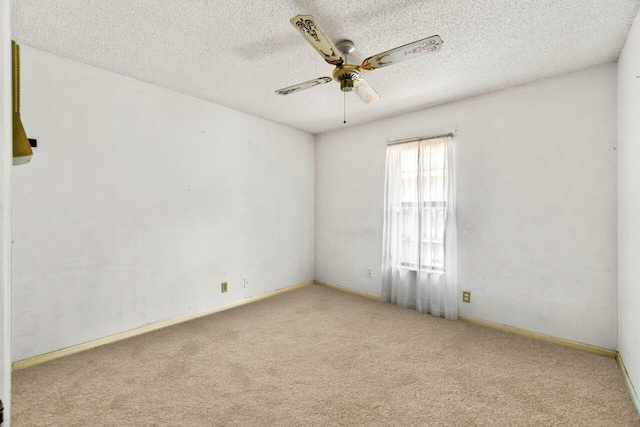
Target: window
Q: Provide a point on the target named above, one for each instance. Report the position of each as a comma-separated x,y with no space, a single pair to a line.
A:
420,206
419,256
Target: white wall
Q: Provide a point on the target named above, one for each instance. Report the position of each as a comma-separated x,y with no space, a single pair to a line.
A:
629,204
6,160
140,201
536,183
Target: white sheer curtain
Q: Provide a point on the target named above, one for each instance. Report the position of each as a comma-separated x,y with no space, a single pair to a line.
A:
419,247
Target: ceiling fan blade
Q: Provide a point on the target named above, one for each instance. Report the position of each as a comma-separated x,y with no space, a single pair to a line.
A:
402,53
303,86
314,35
365,92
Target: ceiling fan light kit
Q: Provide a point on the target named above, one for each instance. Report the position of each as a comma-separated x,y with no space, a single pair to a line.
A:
349,75
346,75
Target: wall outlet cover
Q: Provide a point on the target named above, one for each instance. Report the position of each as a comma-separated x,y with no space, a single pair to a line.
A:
466,296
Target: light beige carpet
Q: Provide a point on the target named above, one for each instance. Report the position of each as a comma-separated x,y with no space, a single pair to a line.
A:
317,356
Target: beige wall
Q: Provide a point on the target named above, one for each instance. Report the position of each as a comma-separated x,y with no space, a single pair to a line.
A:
5,207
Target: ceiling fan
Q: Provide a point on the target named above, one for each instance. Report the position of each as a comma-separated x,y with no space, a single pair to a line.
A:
348,75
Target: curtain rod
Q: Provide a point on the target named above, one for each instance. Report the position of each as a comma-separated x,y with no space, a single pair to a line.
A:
404,141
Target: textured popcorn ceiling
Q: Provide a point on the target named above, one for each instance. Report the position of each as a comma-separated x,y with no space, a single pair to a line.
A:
237,52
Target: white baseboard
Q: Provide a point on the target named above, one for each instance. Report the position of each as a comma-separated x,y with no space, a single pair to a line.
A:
36,360
628,383
542,337
347,290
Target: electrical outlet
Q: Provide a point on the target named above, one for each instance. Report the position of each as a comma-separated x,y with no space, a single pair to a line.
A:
466,296
369,273
246,283
223,287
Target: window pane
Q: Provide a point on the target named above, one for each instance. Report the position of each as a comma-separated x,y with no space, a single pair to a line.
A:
421,209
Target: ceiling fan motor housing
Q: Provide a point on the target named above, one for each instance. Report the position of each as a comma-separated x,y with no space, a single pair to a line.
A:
346,75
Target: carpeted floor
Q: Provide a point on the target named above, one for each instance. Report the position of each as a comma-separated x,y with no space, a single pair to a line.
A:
317,356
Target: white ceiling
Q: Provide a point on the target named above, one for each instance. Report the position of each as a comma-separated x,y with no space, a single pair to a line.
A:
237,52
